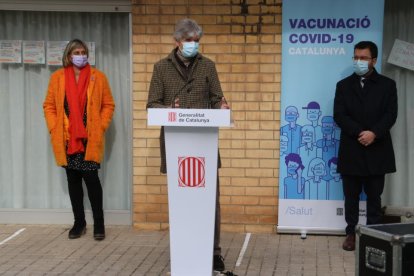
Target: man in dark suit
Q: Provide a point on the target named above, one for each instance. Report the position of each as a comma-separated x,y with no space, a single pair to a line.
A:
365,108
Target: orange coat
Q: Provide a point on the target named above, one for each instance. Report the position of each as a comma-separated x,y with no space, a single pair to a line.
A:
100,107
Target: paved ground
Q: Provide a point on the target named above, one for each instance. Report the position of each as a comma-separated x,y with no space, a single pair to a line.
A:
46,250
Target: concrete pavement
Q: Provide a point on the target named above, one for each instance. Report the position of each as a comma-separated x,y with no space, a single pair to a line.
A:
46,250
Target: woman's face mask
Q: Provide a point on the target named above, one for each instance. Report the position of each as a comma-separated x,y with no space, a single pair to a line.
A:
79,57
80,61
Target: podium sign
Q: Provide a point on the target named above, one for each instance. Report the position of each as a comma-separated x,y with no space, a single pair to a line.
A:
188,117
191,139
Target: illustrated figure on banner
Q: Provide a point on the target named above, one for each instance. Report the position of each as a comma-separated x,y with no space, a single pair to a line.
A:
328,145
284,146
294,182
335,190
313,113
308,149
316,187
292,130
337,131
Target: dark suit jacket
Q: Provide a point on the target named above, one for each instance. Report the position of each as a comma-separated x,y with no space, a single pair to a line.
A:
198,88
373,108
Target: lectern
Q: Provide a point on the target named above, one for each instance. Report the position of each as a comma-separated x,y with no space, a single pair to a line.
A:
191,139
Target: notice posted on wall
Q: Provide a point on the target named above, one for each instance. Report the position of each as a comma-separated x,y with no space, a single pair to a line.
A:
402,54
55,51
34,52
10,51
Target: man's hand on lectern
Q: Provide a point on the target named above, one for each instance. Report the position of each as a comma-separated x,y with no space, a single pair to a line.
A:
176,103
224,104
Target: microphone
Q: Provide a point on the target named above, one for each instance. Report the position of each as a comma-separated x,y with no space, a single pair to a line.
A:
179,91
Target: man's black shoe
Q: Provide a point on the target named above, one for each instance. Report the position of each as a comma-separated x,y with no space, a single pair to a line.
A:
77,230
218,263
228,273
349,243
99,232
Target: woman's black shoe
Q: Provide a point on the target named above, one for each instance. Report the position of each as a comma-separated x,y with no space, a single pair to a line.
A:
99,232
77,230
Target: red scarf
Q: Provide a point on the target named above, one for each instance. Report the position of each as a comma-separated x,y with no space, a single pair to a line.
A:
76,95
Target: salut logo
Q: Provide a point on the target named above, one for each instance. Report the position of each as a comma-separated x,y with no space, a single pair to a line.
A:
172,116
191,172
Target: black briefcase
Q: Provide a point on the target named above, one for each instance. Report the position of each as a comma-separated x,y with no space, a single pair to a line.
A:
385,249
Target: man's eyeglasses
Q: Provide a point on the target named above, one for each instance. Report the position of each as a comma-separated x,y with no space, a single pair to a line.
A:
363,58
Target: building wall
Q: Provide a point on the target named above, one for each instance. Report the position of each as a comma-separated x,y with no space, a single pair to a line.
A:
243,37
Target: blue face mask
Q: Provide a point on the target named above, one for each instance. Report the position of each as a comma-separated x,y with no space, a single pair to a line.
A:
313,116
327,130
318,172
290,118
292,170
307,139
334,173
190,49
361,67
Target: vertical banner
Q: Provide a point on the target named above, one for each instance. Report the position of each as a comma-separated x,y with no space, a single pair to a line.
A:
318,39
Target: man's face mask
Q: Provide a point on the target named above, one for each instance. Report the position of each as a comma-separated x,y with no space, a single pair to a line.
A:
190,49
361,67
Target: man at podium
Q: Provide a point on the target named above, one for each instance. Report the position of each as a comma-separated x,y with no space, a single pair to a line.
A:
187,79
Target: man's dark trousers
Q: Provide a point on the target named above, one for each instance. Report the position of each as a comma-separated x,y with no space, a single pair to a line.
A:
373,187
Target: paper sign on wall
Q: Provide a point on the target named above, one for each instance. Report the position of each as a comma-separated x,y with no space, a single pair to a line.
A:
402,54
34,52
10,51
55,51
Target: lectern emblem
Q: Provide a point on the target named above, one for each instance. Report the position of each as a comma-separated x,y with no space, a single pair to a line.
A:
191,172
172,116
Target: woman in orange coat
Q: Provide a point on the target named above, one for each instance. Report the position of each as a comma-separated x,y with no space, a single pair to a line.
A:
78,110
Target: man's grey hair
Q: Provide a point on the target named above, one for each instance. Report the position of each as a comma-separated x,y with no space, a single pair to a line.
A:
187,28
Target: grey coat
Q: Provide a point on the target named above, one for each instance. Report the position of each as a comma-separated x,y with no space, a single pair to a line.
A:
195,87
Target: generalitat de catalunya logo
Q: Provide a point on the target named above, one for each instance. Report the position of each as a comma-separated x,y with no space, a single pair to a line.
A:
172,116
191,172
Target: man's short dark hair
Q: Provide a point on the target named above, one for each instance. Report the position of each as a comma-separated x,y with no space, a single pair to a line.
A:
368,45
